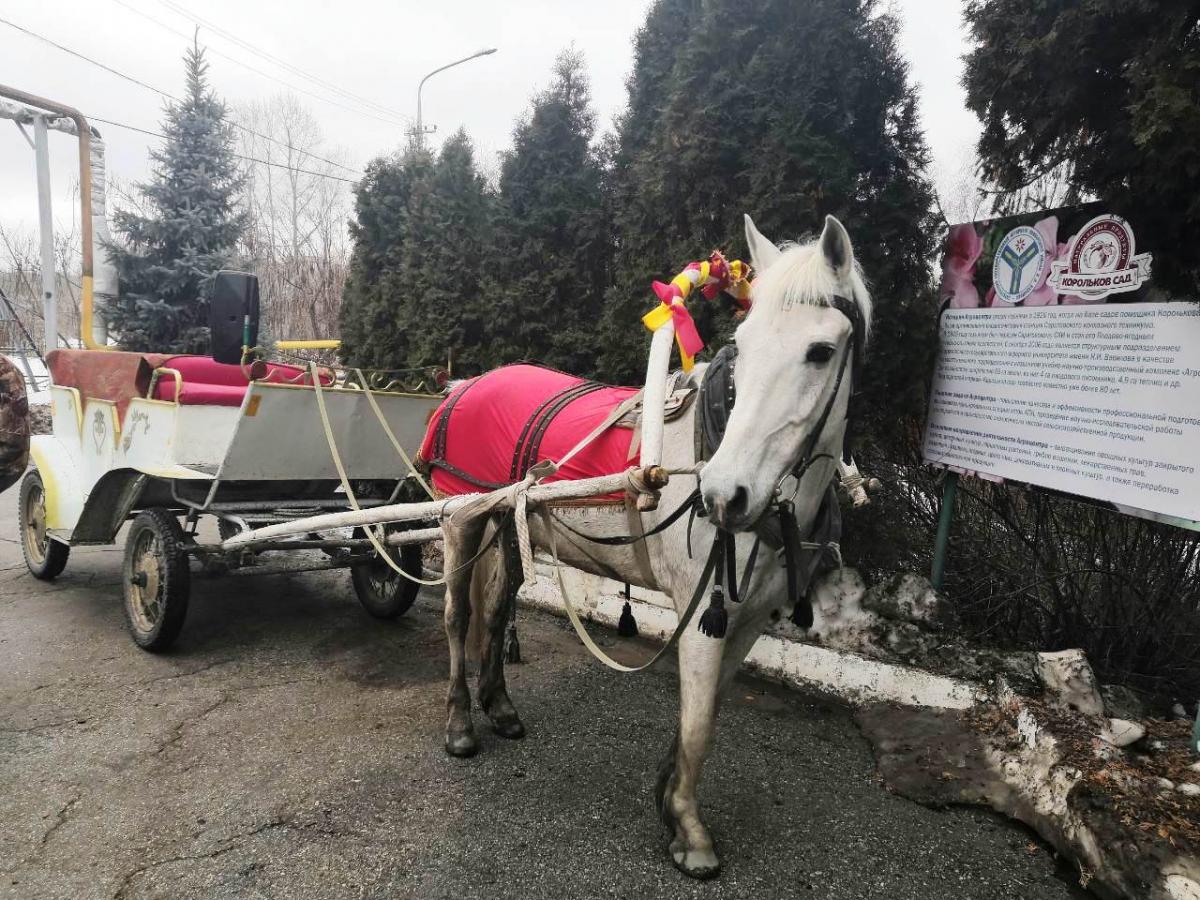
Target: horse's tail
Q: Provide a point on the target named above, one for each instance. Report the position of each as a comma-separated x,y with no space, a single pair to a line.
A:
494,579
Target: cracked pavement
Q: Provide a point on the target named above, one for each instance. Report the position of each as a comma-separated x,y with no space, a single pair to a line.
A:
290,747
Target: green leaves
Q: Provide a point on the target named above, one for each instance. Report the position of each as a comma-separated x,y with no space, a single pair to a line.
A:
167,257
789,110
1110,86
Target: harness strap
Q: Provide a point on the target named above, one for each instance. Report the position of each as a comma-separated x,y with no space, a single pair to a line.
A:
624,540
466,476
514,469
592,646
443,425
641,547
534,449
614,416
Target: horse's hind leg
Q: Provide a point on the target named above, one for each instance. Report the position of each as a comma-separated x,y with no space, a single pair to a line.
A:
462,543
498,594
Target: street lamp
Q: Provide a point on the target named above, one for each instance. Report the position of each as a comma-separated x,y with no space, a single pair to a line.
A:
419,131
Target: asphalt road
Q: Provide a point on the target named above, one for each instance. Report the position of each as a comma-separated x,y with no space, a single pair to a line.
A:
291,747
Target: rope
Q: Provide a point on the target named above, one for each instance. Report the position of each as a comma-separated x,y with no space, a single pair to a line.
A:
586,638
391,435
319,391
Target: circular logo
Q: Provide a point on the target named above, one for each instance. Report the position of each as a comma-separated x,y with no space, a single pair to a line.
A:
1101,260
1018,264
1104,245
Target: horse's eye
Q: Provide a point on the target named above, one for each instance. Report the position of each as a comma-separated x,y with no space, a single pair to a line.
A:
819,353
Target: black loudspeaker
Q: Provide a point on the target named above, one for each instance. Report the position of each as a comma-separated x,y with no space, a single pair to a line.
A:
233,315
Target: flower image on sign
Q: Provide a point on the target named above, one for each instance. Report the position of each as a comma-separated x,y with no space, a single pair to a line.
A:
1101,261
1018,265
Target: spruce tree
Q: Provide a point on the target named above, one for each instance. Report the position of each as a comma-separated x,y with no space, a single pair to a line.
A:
449,316
553,251
373,288
166,258
788,110
415,296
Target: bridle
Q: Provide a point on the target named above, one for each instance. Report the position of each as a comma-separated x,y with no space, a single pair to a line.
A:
717,399
778,524
855,347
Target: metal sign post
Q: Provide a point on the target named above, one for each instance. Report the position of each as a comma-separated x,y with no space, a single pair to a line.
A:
41,150
945,519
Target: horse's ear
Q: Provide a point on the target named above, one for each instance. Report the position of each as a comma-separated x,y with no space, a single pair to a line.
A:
835,247
762,251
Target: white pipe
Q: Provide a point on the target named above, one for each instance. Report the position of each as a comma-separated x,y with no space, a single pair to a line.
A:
655,396
41,151
104,273
432,509
415,536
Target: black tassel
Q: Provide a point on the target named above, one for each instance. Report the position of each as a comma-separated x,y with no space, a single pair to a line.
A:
715,620
512,647
802,613
627,625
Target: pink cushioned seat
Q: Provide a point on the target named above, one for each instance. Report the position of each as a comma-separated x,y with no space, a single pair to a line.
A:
207,382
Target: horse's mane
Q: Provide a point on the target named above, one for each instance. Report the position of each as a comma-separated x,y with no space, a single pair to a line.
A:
800,276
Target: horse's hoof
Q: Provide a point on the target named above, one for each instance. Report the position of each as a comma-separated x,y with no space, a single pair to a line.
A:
462,745
698,864
511,729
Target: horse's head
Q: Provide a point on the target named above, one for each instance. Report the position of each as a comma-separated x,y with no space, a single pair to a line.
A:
791,348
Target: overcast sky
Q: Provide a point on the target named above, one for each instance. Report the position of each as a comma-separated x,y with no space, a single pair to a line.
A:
375,51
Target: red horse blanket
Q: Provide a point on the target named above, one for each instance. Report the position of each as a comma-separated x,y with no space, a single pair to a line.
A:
490,430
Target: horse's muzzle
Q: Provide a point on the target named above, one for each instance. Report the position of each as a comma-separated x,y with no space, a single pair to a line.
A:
729,508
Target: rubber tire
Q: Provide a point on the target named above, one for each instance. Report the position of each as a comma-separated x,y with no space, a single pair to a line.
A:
403,593
55,557
175,579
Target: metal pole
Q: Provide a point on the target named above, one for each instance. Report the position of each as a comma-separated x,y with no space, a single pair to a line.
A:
946,516
41,152
84,133
419,131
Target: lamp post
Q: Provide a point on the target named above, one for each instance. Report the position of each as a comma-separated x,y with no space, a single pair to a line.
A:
419,131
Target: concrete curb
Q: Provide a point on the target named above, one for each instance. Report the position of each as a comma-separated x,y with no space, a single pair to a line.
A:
776,656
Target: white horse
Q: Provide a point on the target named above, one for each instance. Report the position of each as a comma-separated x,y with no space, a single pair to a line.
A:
792,347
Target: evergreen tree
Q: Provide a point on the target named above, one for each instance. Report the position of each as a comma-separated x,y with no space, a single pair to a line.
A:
415,293
553,250
1107,91
788,110
374,289
166,259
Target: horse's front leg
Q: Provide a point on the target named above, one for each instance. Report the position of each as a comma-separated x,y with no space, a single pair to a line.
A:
706,667
699,676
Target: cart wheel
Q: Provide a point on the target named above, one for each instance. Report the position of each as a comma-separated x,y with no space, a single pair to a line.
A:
383,592
45,556
156,579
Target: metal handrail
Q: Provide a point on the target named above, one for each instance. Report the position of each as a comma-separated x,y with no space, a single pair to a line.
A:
154,382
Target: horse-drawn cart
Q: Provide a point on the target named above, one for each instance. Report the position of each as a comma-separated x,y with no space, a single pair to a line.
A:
161,439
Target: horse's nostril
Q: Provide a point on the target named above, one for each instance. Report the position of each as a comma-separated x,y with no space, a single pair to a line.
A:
739,502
